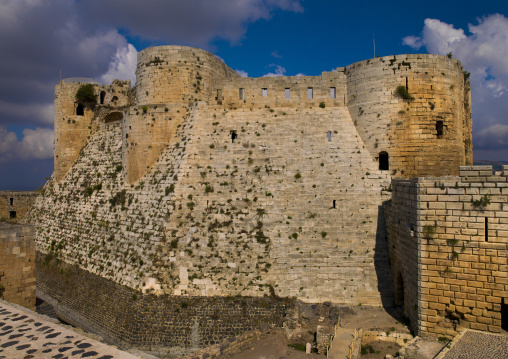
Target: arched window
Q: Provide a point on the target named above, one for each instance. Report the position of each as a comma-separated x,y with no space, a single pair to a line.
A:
80,110
114,99
384,164
103,95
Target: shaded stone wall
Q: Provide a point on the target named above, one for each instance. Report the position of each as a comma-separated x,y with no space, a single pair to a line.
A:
17,264
163,325
460,233
16,204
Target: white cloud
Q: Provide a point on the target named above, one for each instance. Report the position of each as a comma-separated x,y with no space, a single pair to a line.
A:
276,55
123,65
242,73
483,52
36,144
279,71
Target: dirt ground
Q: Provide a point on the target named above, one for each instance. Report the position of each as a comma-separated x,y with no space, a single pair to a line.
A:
275,344
379,349
371,318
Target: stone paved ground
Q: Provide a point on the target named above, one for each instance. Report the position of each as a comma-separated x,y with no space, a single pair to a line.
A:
473,344
26,335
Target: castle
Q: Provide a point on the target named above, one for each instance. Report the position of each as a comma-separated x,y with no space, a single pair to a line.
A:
197,186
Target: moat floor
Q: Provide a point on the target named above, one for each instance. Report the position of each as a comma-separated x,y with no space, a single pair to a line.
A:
25,334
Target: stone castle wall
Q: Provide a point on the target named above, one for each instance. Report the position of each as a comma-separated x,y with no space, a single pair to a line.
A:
170,326
196,184
17,264
15,204
450,249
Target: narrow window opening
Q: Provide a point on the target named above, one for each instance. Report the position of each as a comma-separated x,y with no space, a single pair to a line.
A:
264,92
114,99
334,203
310,92
219,97
504,314
80,110
407,85
439,129
287,93
383,161
12,214
431,87
332,92
234,135
242,94
103,96
486,229
329,135
206,203
130,128
12,201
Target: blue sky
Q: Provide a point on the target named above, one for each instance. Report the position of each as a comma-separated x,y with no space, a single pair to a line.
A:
100,39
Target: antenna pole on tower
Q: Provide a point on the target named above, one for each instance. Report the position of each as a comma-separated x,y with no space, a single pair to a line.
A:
374,42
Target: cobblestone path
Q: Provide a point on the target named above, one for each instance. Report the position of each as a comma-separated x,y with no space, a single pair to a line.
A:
25,336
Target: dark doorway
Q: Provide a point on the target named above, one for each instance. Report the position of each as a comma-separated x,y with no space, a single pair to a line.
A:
233,136
80,110
439,129
113,116
399,290
12,214
103,96
334,203
383,161
12,201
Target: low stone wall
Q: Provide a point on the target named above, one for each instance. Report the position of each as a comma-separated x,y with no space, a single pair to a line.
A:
229,346
163,325
17,264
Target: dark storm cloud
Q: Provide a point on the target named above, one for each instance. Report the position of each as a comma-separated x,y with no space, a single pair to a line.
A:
192,22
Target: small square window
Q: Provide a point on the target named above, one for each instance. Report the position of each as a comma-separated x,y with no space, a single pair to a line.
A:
332,92
310,92
287,93
264,92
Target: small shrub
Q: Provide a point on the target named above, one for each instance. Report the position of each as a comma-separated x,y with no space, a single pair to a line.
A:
481,203
208,189
144,109
322,105
401,91
298,176
300,347
323,234
86,94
